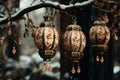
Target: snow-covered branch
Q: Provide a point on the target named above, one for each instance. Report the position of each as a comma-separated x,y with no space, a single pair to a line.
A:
55,5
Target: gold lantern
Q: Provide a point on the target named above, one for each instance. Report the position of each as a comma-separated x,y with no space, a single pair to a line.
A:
46,39
74,43
99,36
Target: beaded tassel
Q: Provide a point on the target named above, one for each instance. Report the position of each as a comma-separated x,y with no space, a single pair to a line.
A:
78,69
73,69
102,58
14,50
50,68
97,58
43,67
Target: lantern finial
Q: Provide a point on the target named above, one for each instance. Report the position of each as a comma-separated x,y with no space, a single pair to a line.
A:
47,18
74,20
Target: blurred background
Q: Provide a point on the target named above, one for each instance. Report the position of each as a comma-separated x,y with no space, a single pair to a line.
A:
26,63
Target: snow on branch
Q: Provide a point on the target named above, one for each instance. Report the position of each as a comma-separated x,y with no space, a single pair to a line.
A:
55,5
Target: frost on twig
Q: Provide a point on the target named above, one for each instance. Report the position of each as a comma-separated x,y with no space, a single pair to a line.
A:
52,4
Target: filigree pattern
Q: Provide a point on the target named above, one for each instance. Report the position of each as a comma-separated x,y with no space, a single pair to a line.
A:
74,40
99,33
47,36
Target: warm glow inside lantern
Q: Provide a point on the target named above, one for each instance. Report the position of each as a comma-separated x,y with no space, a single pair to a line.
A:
74,44
100,36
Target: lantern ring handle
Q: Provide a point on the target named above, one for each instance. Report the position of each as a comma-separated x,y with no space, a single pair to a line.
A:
74,18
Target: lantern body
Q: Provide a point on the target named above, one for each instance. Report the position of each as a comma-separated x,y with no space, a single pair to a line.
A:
46,40
99,33
100,36
74,42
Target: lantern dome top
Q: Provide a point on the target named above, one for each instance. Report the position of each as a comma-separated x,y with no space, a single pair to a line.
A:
98,22
74,27
47,22
99,33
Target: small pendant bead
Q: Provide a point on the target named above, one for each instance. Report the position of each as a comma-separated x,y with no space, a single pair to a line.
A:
73,70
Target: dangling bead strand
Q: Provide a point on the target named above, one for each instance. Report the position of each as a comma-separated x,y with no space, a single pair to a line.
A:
97,58
46,67
14,50
50,68
73,69
102,58
78,69
43,67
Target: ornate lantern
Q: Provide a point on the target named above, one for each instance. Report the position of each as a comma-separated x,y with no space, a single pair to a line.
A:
74,44
100,36
46,39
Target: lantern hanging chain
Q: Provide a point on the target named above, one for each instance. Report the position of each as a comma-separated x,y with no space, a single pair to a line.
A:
28,25
30,17
28,14
29,21
47,12
73,11
54,12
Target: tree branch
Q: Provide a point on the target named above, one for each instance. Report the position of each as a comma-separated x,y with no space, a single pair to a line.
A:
55,5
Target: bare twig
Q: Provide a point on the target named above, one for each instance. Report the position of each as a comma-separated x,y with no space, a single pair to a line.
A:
55,5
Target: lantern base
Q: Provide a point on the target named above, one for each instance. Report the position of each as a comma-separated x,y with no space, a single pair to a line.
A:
46,54
74,56
100,48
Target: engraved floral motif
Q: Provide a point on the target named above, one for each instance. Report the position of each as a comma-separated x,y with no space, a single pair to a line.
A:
49,36
74,40
99,33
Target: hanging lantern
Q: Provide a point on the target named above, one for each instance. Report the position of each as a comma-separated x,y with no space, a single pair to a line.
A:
46,39
74,43
100,36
